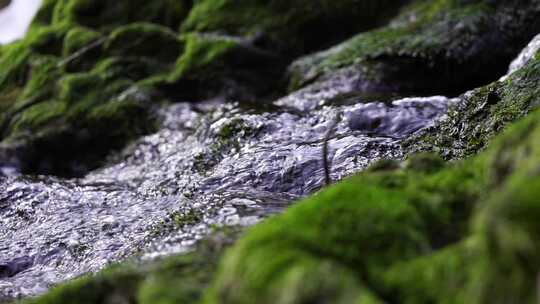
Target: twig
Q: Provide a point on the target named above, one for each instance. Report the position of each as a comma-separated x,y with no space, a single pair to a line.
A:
327,163
82,51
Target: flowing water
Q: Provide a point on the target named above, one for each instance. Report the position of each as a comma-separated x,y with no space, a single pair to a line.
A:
214,163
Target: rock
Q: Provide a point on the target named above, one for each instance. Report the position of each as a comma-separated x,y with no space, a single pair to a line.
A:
224,65
69,78
432,47
86,81
481,114
526,55
289,27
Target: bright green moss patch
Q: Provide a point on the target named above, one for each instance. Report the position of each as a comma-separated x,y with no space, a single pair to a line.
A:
43,74
432,47
14,64
202,51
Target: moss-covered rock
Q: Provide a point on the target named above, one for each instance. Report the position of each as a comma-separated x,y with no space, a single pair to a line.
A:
214,64
81,49
482,114
289,27
364,224
73,73
432,47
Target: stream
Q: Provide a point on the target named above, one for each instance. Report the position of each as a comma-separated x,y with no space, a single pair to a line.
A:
216,163
211,164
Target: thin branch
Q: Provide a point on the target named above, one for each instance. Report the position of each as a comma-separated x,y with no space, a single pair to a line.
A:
327,163
82,51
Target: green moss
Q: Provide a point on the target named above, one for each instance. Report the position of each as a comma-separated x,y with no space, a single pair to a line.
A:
201,52
445,276
81,50
497,263
43,75
144,40
78,38
213,64
82,89
190,218
293,26
14,62
47,39
45,14
38,116
447,45
364,224
70,70
424,162
115,284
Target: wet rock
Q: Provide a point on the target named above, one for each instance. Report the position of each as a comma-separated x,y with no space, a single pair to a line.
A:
432,47
78,87
482,113
526,55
